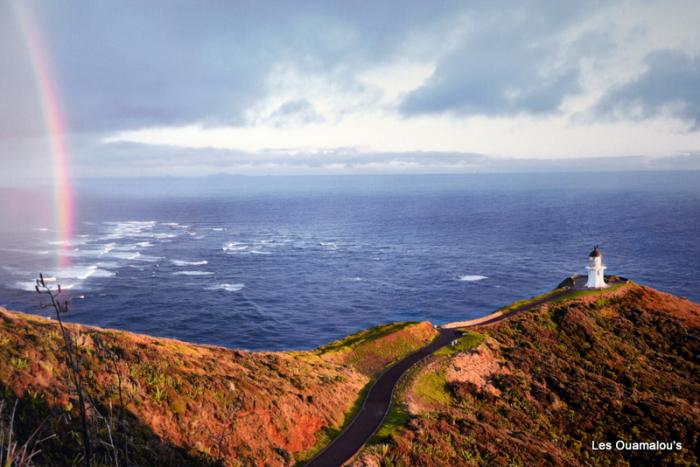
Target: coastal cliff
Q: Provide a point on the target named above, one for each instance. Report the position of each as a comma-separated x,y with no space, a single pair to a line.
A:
539,388
188,404
575,382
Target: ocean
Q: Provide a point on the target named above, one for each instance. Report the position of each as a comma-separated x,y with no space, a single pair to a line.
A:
277,263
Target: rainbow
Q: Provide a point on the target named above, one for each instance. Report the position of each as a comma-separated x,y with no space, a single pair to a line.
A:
54,121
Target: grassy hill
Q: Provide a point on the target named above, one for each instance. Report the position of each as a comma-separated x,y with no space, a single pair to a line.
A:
536,389
541,387
186,404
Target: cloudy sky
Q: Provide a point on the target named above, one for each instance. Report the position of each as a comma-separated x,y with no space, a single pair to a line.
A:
193,88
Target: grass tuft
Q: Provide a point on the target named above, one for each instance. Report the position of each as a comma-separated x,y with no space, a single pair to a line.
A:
470,340
432,387
361,337
397,417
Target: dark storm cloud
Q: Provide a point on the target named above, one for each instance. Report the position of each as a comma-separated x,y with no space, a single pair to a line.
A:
127,64
130,64
511,60
670,84
20,112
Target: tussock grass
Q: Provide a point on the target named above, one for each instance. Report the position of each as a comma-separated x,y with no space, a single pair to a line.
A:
372,350
586,293
396,418
470,340
327,435
515,305
432,387
355,340
619,364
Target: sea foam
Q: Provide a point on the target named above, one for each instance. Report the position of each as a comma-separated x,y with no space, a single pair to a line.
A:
72,277
471,278
234,246
180,262
226,287
193,273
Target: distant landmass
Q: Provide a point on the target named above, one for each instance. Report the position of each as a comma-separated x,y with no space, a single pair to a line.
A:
574,381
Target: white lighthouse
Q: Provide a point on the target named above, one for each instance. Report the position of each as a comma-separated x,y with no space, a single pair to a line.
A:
596,269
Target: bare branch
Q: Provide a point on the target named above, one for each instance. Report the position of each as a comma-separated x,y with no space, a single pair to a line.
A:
72,359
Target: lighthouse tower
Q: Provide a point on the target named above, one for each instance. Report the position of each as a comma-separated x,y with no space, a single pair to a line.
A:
596,268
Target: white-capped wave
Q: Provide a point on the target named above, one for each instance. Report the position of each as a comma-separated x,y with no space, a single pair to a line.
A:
226,287
29,252
71,277
107,248
134,256
119,230
471,278
127,255
193,273
180,262
175,225
132,224
217,229
354,279
82,272
149,258
234,246
28,286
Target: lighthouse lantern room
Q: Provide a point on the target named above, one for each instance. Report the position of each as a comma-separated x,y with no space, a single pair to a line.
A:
596,269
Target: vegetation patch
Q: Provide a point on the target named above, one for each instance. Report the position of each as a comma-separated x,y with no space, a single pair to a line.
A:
372,350
169,402
327,435
432,387
397,417
515,305
621,364
469,340
587,293
362,337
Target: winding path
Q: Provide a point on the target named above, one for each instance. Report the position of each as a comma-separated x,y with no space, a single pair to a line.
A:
378,398
375,407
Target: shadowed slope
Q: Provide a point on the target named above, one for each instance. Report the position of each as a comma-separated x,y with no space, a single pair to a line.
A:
187,402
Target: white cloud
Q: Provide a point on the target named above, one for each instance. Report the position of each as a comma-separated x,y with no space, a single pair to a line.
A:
360,112
394,80
523,136
519,82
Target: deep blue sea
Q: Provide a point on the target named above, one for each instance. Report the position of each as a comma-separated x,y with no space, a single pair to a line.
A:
294,262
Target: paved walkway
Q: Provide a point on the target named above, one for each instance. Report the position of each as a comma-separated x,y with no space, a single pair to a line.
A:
375,407
378,398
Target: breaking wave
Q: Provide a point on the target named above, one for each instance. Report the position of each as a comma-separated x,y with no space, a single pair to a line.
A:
180,262
226,287
471,278
193,273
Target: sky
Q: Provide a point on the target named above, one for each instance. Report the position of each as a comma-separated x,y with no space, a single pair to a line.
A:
325,87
